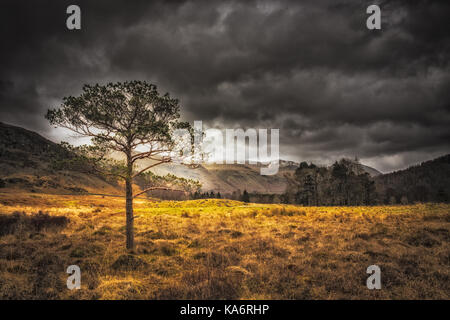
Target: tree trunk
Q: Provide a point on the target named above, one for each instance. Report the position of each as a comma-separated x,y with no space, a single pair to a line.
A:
129,205
129,212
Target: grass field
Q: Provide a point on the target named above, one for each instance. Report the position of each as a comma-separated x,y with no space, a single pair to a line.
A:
220,249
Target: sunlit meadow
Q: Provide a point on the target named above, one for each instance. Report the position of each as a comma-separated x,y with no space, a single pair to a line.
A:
220,249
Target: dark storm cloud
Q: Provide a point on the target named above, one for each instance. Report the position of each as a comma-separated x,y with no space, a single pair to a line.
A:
310,68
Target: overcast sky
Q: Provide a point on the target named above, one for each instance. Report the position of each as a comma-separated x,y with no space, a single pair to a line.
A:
310,68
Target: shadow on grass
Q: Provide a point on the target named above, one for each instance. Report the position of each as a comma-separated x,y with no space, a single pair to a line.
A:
20,222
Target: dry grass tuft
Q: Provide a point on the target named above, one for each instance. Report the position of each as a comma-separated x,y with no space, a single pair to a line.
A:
128,262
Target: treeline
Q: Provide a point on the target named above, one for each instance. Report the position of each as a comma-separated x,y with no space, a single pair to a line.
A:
426,182
195,195
235,195
347,183
343,183
206,195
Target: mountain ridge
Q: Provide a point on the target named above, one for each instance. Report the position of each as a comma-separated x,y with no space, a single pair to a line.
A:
25,156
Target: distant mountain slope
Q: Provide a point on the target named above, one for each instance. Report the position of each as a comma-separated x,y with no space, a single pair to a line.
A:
26,158
26,163
227,178
428,181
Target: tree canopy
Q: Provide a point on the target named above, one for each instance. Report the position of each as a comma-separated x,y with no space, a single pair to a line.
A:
132,118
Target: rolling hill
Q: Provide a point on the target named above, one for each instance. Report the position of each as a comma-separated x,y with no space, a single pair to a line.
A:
26,163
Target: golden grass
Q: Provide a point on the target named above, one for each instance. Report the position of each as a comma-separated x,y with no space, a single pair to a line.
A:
223,249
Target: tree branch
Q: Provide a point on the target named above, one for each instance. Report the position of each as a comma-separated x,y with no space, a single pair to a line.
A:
148,154
149,167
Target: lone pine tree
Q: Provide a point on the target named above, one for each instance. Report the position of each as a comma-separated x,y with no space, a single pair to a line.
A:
124,117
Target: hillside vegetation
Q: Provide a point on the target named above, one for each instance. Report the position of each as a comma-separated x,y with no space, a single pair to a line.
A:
220,249
427,181
30,162
347,182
